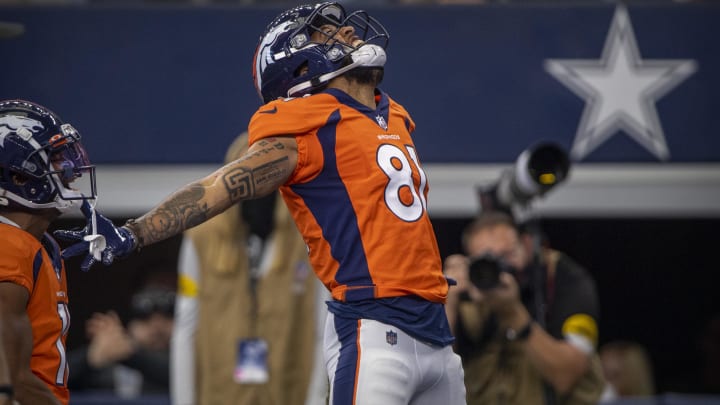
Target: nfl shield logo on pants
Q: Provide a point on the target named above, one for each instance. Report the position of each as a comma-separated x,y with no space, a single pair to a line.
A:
391,337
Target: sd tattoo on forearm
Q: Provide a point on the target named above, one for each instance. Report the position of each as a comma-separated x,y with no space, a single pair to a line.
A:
244,183
191,206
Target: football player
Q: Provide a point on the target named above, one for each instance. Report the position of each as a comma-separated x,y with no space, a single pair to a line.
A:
340,151
40,156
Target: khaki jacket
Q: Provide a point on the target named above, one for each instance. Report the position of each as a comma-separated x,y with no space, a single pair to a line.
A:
501,373
285,319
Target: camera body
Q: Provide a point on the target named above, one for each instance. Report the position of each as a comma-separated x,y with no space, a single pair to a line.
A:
484,271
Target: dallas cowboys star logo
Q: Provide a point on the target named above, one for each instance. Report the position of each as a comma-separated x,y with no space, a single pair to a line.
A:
620,90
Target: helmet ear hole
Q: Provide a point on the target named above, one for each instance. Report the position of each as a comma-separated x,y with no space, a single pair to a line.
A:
19,179
301,70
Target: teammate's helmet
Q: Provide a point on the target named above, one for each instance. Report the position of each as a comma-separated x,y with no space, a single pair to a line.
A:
39,157
288,64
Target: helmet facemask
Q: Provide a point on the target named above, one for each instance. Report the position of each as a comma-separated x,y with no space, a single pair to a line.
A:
72,174
367,29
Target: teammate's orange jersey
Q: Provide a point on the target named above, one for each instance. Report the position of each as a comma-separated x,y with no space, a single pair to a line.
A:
358,195
26,262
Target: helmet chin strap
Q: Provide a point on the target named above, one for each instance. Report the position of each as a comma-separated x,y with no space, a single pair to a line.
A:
58,203
65,206
96,241
368,55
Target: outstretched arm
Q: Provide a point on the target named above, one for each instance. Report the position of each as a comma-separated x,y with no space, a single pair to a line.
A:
265,167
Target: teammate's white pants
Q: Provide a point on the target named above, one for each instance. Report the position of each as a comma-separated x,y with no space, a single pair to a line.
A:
372,363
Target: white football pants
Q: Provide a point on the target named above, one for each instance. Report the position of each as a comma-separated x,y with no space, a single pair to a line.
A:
372,363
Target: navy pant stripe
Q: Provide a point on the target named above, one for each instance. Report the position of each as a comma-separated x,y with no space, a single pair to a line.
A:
346,372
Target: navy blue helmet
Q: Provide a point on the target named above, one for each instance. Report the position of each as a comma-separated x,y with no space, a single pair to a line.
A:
288,63
39,157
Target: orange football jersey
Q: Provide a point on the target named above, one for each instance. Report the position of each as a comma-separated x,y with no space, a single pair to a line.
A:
26,262
358,195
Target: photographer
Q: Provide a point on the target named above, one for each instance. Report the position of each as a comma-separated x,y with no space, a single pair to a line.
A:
525,319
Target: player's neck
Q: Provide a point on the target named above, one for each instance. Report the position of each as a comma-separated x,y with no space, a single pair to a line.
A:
34,224
363,93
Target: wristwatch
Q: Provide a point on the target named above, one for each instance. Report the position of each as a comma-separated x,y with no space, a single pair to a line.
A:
523,333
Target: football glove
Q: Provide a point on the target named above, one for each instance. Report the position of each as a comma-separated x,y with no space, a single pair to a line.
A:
100,239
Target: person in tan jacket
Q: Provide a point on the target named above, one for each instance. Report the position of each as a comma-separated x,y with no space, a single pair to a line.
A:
261,255
528,334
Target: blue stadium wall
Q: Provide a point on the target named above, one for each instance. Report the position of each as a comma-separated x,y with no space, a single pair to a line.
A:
160,92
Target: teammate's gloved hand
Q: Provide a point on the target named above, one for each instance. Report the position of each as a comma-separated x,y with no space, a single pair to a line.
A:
100,239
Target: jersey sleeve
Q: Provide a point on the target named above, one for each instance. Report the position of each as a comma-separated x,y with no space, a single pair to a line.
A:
298,117
310,160
288,117
17,257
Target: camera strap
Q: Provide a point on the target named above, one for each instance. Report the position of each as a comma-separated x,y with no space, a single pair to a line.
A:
544,291
539,284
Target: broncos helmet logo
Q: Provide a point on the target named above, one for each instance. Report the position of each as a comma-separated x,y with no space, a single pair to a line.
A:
16,124
264,55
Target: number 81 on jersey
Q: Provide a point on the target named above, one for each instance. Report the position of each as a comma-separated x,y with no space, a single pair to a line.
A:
401,196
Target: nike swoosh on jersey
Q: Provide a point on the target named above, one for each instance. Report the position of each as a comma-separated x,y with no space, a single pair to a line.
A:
273,111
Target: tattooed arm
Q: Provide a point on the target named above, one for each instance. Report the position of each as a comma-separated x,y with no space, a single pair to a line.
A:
265,167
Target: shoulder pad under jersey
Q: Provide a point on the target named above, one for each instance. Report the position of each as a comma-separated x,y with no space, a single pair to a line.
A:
291,116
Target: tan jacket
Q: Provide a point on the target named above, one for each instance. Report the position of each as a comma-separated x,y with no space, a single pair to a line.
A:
286,312
285,315
501,373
